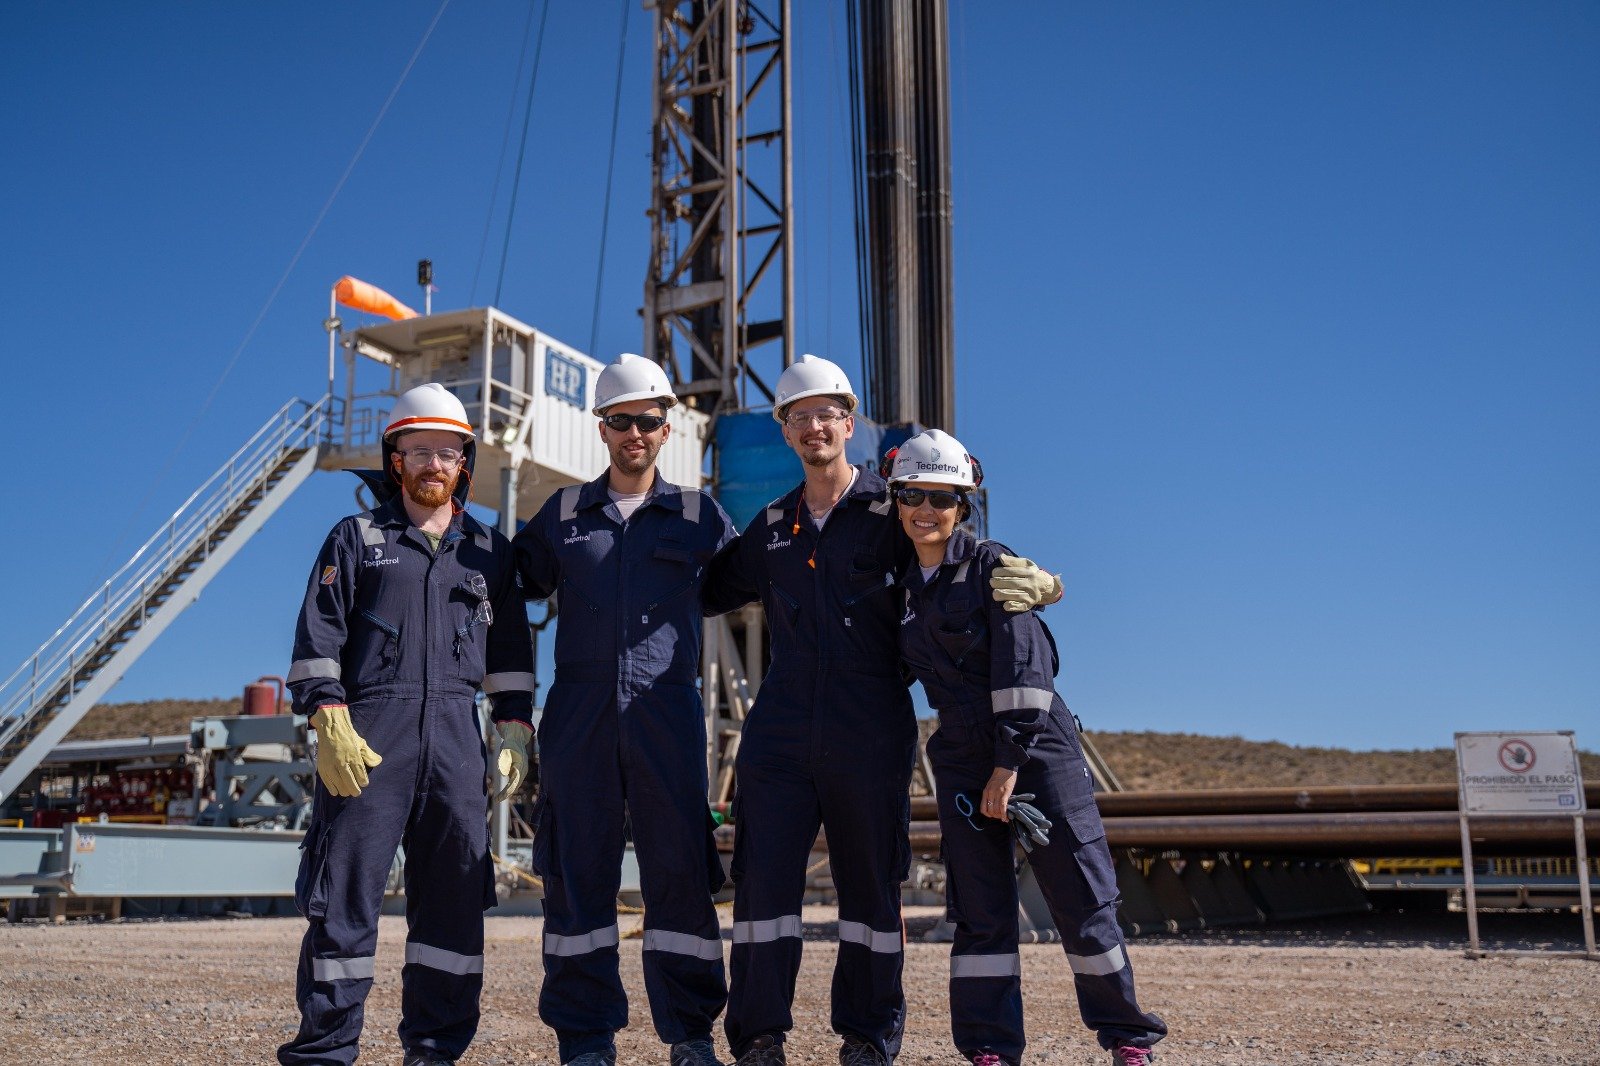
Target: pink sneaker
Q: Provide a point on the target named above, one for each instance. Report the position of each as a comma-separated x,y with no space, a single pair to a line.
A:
1131,1055
987,1058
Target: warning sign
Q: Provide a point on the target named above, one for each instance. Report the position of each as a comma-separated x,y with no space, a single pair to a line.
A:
1519,773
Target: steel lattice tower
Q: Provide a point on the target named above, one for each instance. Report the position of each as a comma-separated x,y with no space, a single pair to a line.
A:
720,205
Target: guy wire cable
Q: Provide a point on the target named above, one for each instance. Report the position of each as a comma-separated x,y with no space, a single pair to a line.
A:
611,164
522,150
500,164
294,260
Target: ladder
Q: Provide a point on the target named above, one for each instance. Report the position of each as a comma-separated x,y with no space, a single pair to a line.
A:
55,686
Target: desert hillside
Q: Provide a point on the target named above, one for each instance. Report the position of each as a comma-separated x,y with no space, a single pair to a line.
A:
1141,760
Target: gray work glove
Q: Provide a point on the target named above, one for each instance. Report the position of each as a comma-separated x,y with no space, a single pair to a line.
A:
1028,823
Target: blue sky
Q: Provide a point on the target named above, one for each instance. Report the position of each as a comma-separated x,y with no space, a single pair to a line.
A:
1277,325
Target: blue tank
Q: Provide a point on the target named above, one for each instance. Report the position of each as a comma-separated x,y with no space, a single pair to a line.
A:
755,466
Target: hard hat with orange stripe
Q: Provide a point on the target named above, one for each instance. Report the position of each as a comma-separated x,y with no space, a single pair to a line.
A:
429,406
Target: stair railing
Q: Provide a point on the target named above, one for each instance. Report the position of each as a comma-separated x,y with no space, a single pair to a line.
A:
121,603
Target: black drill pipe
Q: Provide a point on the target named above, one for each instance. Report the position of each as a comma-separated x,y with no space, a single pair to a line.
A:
1348,835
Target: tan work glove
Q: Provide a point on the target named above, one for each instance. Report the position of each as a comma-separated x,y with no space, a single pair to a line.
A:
1021,585
343,758
512,761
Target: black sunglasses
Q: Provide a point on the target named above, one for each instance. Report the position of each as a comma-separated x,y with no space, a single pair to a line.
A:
646,423
941,500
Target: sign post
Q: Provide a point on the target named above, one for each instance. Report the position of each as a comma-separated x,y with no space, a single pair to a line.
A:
1519,774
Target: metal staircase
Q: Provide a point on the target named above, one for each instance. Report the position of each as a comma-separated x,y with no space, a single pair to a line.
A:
54,687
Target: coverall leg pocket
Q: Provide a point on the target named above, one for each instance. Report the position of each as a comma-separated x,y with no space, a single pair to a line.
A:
491,896
952,897
544,827
902,842
716,876
1085,823
311,881
736,866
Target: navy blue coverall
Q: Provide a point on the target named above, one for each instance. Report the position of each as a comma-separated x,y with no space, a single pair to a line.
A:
623,735
990,675
830,741
405,635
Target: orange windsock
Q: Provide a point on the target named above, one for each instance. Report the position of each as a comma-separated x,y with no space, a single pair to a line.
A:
355,293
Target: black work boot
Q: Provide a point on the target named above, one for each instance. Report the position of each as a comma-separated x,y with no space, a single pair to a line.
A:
607,1057
855,1052
423,1056
764,1051
694,1053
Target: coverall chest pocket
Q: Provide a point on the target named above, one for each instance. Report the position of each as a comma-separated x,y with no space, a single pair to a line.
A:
783,611
470,615
868,577
375,642
583,624
672,571
961,638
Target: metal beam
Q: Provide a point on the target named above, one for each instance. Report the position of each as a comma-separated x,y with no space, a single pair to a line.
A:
111,859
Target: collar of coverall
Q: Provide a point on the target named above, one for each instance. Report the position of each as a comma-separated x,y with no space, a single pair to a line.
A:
868,484
662,493
961,547
391,514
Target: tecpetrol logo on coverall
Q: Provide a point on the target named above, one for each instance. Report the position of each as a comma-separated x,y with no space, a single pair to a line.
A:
574,537
379,560
775,544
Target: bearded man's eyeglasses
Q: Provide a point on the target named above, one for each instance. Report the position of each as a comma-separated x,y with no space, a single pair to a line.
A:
941,501
622,423
421,457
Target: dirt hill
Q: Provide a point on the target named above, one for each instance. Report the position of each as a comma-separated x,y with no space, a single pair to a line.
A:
1145,761
1141,760
1185,760
153,717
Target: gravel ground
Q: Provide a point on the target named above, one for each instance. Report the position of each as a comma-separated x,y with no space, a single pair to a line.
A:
1381,989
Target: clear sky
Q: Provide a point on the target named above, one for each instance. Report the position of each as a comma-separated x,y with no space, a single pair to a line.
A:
1278,325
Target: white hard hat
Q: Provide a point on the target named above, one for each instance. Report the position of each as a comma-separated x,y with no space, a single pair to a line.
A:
632,377
934,456
429,406
811,375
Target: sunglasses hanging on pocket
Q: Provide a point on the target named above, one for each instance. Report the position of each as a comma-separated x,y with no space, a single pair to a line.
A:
477,589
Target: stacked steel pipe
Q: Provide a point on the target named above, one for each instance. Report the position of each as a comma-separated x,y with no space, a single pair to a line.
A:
1328,820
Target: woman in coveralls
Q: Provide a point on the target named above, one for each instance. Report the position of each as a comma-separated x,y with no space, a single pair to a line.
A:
1004,731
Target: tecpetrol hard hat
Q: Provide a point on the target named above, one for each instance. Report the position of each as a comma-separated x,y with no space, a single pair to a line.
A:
811,375
429,406
934,456
632,377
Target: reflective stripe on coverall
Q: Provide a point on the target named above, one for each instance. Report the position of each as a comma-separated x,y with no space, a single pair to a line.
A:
405,635
990,675
623,736
830,741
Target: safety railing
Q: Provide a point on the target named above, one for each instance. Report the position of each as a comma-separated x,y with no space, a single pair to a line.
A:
123,601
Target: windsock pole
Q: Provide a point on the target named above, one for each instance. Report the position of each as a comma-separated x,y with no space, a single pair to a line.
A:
332,324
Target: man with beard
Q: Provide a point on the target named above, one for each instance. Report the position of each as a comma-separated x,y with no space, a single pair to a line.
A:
622,740
832,736
412,607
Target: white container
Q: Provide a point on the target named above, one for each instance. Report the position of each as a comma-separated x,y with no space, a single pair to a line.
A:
528,395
